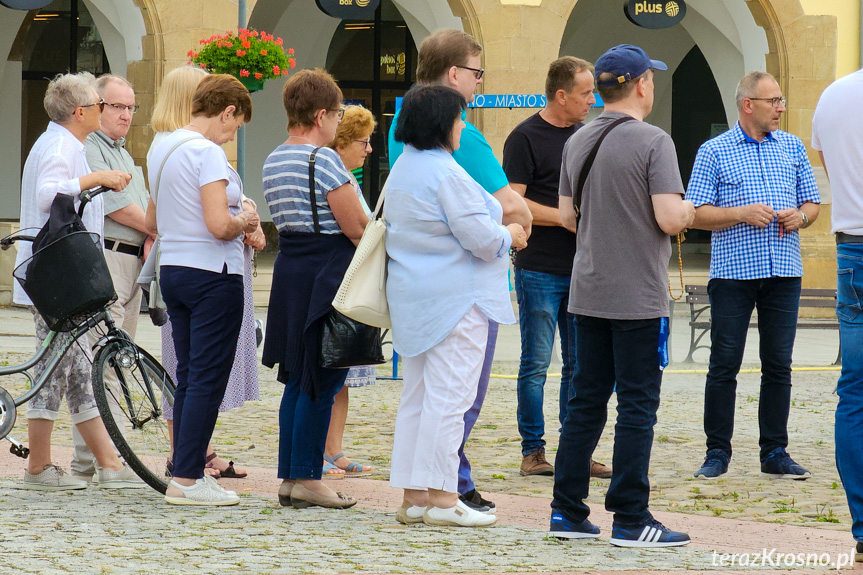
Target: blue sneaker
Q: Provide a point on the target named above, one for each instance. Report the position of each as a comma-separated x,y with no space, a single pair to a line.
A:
715,464
651,534
779,465
562,528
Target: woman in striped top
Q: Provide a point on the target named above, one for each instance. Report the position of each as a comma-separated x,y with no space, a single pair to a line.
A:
313,257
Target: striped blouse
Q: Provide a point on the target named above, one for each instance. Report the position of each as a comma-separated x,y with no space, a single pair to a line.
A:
286,187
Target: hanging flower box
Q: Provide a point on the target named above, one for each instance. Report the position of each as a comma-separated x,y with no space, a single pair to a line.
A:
250,56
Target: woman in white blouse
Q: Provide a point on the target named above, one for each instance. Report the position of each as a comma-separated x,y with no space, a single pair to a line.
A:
197,203
57,164
446,279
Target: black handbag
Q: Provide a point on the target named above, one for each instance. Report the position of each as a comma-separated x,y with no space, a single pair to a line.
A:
344,342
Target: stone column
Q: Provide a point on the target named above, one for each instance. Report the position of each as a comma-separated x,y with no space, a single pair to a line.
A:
520,39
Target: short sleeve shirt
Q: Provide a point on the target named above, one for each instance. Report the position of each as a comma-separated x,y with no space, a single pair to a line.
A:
103,153
185,239
734,170
474,155
531,156
621,265
286,187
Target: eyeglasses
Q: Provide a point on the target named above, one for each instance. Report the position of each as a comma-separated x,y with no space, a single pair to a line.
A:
365,143
100,103
121,107
341,113
773,101
477,72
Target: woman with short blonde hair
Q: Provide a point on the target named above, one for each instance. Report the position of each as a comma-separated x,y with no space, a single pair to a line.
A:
174,104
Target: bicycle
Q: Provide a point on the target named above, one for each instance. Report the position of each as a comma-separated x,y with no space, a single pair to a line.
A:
125,377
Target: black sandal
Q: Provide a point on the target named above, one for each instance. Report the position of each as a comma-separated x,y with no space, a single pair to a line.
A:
229,472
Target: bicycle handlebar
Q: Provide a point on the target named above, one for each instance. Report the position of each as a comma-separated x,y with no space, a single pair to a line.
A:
88,195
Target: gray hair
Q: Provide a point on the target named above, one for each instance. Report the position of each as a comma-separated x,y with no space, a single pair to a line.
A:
748,86
67,92
105,79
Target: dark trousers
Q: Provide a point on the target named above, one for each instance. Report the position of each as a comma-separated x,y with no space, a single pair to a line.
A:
731,303
206,311
624,352
303,425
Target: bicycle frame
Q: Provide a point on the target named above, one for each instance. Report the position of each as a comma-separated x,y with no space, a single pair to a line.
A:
49,345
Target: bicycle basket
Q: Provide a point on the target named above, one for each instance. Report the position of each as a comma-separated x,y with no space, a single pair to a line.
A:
67,280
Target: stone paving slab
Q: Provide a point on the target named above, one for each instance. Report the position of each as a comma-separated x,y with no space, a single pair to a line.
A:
132,531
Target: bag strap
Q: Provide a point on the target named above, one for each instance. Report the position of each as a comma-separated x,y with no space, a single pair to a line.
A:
312,158
379,207
588,164
154,192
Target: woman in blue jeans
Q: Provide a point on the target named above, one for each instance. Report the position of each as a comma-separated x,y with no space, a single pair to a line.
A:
313,257
196,198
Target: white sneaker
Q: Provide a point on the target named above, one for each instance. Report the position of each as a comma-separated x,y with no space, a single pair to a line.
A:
410,515
123,479
205,491
459,516
52,478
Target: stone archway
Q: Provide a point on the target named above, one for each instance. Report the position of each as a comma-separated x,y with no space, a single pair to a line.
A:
310,32
803,68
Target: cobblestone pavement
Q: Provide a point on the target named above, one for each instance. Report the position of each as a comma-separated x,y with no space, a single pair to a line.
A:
97,531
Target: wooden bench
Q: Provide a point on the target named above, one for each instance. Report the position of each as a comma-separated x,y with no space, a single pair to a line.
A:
699,315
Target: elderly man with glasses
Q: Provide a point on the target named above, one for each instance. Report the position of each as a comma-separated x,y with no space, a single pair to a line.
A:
124,229
57,165
753,187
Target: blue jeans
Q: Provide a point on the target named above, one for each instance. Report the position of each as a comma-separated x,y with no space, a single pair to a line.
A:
621,352
465,482
303,425
206,311
731,303
849,413
542,301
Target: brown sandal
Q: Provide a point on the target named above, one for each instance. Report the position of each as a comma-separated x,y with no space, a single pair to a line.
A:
227,473
209,465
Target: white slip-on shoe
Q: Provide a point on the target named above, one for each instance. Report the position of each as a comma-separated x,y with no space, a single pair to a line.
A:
123,479
52,478
459,516
201,493
410,515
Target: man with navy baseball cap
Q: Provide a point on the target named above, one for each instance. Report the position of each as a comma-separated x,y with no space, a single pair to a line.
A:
625,62
630,191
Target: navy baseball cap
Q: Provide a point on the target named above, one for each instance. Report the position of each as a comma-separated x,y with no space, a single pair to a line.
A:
626,62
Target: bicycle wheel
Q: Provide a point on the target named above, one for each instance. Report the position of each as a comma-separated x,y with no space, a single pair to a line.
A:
131,390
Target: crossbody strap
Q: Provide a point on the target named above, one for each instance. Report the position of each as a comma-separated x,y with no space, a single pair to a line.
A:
312,158
588,164
155,191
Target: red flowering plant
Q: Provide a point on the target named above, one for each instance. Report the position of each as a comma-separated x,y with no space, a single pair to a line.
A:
247,54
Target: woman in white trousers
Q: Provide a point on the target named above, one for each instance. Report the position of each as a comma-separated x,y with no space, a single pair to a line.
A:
446,280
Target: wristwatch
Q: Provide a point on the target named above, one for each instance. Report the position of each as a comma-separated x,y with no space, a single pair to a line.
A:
805,219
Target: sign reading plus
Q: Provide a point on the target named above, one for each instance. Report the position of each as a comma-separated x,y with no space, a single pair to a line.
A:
25,4
347,9
655,14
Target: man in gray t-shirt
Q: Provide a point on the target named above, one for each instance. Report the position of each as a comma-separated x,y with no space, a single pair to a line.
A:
630,203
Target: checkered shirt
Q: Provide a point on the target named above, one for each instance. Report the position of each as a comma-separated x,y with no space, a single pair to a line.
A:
734,170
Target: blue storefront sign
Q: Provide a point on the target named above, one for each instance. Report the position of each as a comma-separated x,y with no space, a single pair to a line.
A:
508,101
515,101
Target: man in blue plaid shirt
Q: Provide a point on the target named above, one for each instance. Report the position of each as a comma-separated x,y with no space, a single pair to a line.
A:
753,187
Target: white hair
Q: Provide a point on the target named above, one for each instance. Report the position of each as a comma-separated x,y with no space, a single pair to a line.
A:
67,92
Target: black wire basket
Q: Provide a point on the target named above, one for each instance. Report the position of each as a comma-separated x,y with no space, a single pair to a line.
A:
67,280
